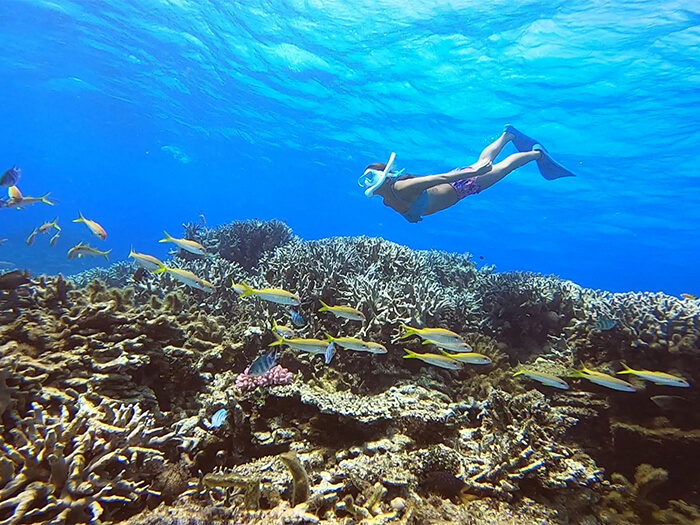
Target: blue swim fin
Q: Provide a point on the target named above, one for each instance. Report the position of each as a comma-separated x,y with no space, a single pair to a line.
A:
521,141
550,168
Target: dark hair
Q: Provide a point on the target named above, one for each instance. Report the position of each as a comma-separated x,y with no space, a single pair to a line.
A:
379,166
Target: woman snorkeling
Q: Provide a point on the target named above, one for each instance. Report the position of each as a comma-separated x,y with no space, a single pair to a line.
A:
417,196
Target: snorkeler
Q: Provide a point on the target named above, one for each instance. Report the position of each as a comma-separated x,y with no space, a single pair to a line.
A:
417,196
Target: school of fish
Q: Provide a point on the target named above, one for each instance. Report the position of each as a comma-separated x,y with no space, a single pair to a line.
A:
452,351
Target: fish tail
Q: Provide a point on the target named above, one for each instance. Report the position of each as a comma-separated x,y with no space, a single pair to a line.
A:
162,269
45,199
324,306
408,331
410,354
55,224
106,254
80,218
131,251
329,337
168,238
279,340
627,369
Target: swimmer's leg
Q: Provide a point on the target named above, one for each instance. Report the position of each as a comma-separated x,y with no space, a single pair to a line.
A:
506,166
494,149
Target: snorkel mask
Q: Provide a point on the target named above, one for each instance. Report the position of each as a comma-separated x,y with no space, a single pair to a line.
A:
371,179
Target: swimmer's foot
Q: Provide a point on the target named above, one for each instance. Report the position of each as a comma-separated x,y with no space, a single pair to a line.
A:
521,141
550,168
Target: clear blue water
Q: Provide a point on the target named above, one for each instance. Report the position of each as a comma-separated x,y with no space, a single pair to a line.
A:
144,113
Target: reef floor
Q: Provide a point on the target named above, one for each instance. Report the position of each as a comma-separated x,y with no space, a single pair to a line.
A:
122,398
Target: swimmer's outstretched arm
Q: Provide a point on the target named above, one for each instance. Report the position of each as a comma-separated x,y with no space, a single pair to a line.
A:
415,186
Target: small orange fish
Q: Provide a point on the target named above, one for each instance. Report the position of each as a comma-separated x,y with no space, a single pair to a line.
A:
95,228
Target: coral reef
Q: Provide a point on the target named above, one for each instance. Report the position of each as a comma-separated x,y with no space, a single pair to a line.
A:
107,380
276,376
79,464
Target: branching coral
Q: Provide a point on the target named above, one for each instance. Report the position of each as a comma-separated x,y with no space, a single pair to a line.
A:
76,465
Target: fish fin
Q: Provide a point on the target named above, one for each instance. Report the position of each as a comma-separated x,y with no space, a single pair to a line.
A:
410,354
247,290
45,199
54,223
442,351
329,337
131,251
80,218
168,238
324,306
627,369
162,269
106,254
408,331
279,340
428,342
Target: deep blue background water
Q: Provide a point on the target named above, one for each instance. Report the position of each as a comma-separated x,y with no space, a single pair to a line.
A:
144,113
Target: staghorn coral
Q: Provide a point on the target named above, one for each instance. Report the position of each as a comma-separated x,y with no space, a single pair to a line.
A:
79,463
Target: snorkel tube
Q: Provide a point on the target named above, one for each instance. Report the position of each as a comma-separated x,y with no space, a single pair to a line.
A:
371,179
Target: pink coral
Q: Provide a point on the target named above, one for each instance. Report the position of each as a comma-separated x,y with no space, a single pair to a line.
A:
277,375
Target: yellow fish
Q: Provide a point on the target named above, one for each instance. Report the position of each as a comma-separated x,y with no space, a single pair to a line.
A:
358,345
185,244
44,228
19,201
274,295
471,358
32,236
146,261
310,346
689,297
439,336
345,312
659,378
188,278
96,229
14,194
284,331
434,359
544,378
80,250
54,239
599,378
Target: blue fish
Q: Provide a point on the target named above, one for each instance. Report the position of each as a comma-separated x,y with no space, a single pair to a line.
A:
219,418
605,324
330,352
297,319
263,364
10,177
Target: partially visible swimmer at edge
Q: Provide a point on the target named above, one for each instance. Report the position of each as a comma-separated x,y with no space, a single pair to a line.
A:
417,196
